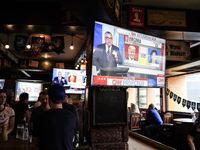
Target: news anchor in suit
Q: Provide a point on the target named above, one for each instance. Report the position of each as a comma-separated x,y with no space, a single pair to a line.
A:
106,55
59,80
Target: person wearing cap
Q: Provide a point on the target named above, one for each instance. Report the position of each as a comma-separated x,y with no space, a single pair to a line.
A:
55,128
155,121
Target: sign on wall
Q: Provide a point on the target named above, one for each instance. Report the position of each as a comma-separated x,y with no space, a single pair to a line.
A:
177,50
166,18
136,16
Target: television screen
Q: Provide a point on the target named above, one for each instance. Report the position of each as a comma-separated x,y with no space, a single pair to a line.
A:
68,78
33,89
2,82
127,58
74,91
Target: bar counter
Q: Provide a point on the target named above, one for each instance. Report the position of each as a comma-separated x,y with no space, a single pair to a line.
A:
17,144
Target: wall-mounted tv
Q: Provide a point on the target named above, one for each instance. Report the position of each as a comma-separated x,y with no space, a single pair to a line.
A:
68,78
2,82
127,58
33,88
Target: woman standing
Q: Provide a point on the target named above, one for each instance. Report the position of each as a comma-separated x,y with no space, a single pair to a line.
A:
7,114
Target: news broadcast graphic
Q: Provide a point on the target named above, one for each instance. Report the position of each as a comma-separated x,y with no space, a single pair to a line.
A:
122,57
70,79
33,89
2,82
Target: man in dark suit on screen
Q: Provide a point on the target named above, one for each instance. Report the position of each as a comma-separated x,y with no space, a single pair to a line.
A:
60,80
106,55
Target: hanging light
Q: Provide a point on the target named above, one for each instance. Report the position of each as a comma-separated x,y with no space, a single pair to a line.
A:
7,46
28,46
72,45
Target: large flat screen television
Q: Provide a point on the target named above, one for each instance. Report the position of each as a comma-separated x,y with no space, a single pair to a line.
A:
32,88
2,82
122,57
72,80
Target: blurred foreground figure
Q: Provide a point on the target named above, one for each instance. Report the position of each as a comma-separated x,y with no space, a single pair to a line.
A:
56,127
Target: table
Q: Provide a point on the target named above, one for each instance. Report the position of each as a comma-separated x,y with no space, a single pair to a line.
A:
183,120
183,128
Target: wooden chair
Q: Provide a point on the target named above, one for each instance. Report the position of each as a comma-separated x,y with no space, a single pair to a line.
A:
135,122
167,129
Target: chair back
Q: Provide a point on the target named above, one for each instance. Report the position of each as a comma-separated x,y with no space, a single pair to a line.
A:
168,118
135,121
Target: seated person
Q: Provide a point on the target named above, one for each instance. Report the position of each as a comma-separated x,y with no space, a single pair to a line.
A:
195,132
155,121
60,80
7,114
134,109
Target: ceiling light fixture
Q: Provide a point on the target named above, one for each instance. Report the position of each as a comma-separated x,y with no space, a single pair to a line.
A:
28,46
7,46
72,46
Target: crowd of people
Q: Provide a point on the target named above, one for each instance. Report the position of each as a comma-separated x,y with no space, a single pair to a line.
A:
53,122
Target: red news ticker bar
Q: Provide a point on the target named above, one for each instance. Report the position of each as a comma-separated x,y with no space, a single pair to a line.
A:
160,75
100,80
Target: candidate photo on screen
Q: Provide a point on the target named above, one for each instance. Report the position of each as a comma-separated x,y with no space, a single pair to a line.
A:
131,53
154,56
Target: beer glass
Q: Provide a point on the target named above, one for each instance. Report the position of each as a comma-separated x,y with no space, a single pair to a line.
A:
20,129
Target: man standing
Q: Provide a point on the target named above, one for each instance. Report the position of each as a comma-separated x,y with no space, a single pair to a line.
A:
44,100
106,55
55,127
21,109
155,121
60,80
131,54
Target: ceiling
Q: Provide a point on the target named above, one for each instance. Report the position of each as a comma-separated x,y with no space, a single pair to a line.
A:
85,12
170,4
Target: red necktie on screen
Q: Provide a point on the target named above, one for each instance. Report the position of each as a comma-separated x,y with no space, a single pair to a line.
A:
108,53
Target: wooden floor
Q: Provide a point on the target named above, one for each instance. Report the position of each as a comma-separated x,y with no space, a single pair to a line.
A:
134,144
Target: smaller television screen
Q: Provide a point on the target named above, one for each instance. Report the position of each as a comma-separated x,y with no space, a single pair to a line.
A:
74,91
68,78
2,82
33,89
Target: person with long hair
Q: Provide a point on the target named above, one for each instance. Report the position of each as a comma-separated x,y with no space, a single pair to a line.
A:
7,114
154,56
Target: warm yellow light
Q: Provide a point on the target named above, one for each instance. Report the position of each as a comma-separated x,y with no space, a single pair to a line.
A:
7,46
45,56
46,63
71,47
82,60
41,36
28,46
77,65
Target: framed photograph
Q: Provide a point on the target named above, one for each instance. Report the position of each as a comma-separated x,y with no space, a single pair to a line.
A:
33,63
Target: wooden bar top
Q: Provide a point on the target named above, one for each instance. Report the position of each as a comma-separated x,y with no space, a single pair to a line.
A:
17,144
